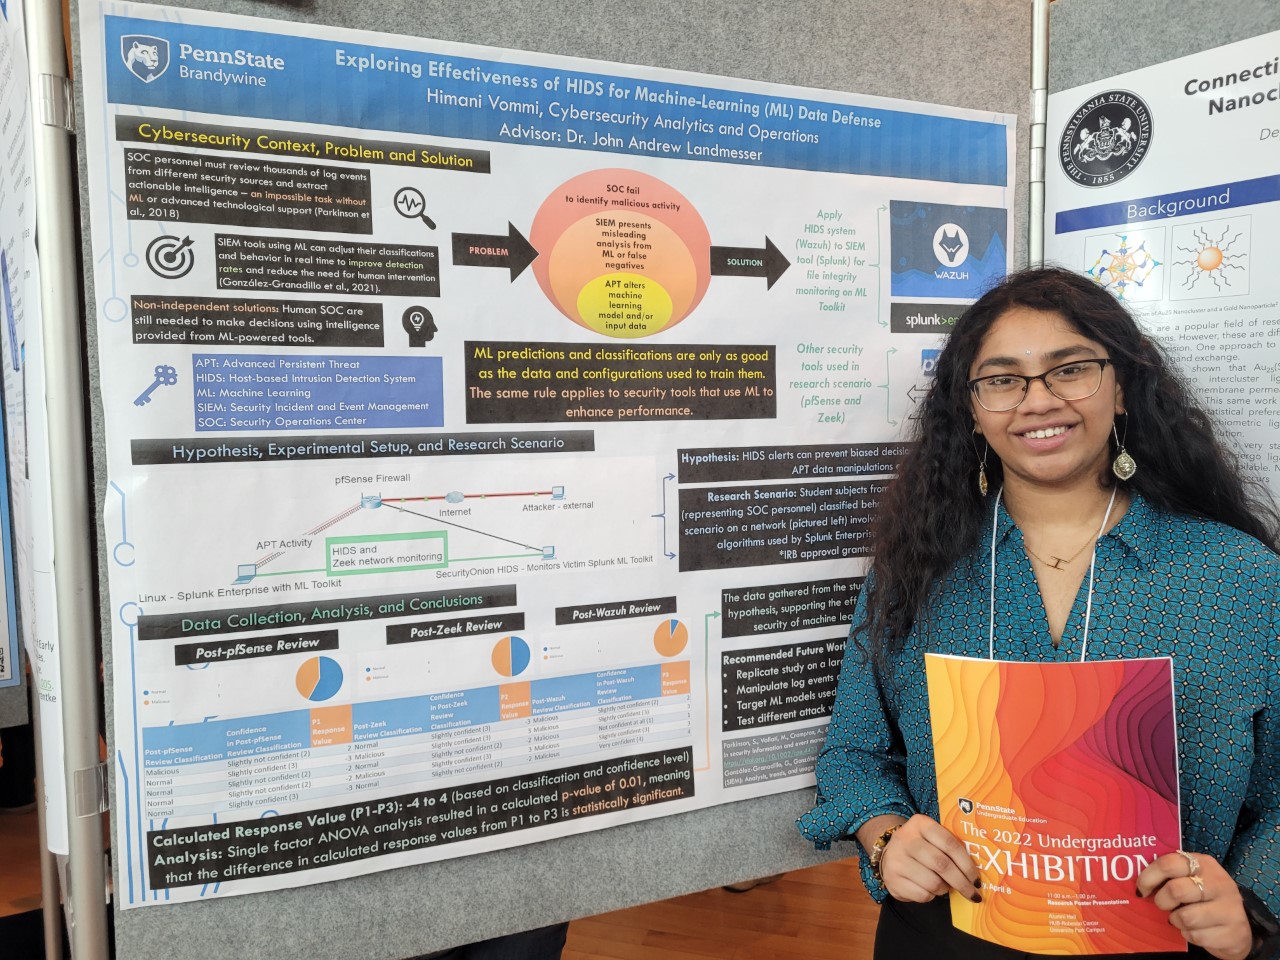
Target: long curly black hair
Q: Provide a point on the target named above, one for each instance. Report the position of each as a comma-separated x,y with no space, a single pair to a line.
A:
933,513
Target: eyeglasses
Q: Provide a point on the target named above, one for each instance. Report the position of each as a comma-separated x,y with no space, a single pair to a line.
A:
1077,380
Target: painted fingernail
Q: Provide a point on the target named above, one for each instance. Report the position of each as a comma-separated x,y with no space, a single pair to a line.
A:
976,898
978,884
1139,893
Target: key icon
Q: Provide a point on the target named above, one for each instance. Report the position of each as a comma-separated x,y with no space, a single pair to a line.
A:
165,376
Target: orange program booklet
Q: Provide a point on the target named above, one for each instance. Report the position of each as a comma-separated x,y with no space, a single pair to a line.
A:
1062,781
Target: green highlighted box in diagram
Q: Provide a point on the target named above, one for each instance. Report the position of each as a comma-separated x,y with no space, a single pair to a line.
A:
387,553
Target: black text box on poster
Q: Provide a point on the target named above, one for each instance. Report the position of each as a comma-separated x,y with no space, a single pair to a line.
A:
773,685
427,818
568,382
222,320
751,526
330,146
246,192
249,262
775,607
768,462
288,449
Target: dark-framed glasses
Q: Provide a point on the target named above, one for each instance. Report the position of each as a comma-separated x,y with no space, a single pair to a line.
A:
1077,380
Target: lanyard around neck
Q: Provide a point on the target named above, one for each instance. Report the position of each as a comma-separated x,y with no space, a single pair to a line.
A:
1093,560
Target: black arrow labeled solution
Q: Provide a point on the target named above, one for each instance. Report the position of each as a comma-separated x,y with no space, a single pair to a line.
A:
749,262
485,250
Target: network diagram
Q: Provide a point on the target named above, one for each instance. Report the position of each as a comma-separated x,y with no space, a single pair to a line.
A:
391,552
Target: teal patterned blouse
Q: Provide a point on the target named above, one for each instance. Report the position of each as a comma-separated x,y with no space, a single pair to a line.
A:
1166,585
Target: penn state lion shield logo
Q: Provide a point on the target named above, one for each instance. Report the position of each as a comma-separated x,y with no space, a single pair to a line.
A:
146,57
965,805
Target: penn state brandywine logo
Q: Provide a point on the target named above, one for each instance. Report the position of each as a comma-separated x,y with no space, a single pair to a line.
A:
146,57
1106,139
966,805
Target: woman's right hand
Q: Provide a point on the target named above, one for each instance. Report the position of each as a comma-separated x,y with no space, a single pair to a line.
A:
924,860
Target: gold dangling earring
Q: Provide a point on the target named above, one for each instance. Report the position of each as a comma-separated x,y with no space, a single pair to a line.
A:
983,486
1123,466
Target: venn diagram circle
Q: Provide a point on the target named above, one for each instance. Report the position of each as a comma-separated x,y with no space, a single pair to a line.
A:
621,253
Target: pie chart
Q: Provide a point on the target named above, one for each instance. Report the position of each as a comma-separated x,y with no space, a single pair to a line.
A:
671,638
319,678
510,656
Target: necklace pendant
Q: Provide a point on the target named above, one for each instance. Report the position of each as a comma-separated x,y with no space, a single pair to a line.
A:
1057,563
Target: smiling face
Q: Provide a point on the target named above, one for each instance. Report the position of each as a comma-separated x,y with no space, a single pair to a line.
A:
1045,441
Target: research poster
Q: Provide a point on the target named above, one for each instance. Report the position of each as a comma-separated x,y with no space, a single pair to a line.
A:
1165,191
17,215
491,436
29,607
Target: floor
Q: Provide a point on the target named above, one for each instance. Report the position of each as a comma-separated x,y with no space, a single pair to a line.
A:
19,864
812,914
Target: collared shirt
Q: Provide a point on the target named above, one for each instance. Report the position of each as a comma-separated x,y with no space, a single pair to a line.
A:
1166,585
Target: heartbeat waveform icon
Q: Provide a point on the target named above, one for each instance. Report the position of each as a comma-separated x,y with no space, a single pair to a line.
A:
412,205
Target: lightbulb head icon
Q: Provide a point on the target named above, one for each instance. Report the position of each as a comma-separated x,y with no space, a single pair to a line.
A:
419,325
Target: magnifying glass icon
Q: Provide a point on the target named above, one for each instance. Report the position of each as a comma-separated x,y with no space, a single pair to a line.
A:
412,205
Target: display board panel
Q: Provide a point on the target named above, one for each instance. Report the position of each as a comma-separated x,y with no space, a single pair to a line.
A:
773,812
1142,196
25,560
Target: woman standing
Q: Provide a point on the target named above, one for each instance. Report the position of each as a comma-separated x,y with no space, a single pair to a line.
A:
1066,499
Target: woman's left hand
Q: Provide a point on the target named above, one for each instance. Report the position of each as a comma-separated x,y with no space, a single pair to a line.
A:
1202,900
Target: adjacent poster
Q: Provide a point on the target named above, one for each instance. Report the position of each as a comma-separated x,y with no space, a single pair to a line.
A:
1061,779
1165,192
27,529
491,436
17,216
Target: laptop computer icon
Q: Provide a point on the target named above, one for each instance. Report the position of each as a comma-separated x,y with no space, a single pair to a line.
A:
245,572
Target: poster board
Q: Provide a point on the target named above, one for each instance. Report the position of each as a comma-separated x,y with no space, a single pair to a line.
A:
19,295
591,873
1162,217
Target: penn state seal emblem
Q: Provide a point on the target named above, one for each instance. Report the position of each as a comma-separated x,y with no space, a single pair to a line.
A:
1105,139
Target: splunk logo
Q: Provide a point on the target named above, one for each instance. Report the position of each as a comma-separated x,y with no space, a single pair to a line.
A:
929,361
147,58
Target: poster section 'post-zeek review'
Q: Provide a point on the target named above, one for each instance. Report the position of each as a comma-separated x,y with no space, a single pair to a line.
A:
491,436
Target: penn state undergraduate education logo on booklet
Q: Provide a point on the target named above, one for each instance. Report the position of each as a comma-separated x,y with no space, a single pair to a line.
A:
1106,139
147,58
965,805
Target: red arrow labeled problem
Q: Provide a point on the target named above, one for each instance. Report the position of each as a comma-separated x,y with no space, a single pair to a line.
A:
487,250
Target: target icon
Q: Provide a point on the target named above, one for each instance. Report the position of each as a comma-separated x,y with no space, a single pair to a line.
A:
170,258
